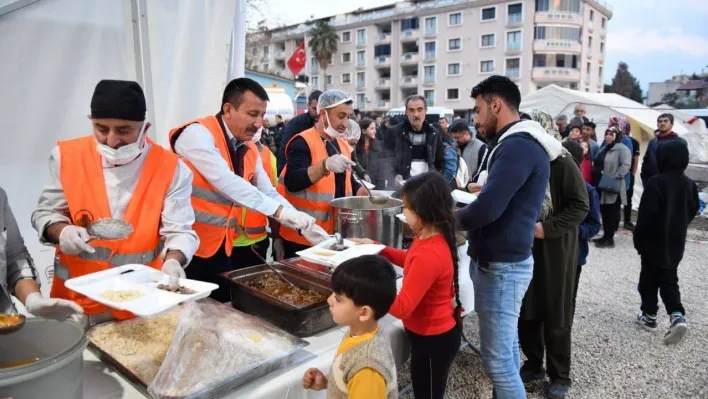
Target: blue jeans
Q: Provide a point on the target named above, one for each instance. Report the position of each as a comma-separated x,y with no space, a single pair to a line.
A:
498,292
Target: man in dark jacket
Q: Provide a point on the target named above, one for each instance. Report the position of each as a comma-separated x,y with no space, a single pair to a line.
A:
547,309
471,149
298,125
500,227
665,123
669,204
417,146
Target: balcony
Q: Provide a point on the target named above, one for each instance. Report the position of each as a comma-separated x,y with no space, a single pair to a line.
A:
361,64
563,46
409,81
589,54
280,54
603,32
409,35
430,33
554,17
383,61
383,37
383,83
428,80
514,19
361,43
513,73
409,58
556,74
513,48
314,69
385,104
430,56
360,84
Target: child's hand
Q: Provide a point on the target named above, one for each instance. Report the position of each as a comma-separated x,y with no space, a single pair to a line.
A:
314,379
359,241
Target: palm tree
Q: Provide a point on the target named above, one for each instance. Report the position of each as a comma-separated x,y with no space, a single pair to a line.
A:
323,43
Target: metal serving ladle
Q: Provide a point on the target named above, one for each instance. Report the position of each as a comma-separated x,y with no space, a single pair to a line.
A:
276,271
377,200
8,308
110,229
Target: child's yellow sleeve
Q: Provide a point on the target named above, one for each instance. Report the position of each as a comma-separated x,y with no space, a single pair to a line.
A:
367,384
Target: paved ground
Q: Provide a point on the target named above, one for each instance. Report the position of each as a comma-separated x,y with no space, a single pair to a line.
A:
612,357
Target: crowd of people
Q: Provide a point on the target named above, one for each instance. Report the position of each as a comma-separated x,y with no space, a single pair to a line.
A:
230,182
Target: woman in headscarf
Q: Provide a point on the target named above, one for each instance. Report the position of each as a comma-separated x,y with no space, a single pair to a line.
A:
611,167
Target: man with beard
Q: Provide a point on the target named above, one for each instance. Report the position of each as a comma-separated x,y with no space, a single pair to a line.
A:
650,167
232,194
298,125
500,225
417,146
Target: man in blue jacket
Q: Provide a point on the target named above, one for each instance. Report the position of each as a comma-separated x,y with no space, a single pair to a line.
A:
500,225
298,125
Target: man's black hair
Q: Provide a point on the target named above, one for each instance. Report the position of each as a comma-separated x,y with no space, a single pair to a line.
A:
666,115
368,280
357,112
444,117
525,117
315,95
416,97
279,116
575,150
499,86
460,125
590,124
234,91
579,127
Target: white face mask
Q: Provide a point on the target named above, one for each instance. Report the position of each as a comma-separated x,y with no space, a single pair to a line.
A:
329,130
257,137
126,153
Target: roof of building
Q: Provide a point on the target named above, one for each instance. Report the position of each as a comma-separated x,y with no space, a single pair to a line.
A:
270,75
694,85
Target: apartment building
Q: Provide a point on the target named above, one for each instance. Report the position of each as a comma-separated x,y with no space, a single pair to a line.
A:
442,48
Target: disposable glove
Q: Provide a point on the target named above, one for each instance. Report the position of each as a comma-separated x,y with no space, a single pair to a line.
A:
173,269
51,308
338,163
297,219
74,239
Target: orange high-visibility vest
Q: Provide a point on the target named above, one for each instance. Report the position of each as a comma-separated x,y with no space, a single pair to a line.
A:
81,175
216,217
270,163
254,221
314,200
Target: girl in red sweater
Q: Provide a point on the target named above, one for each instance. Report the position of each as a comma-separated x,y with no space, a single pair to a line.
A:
424,304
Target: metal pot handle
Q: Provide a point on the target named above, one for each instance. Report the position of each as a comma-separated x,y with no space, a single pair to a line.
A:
350,217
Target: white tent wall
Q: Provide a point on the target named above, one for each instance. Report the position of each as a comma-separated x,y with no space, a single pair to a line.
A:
600,107
189,57
53,54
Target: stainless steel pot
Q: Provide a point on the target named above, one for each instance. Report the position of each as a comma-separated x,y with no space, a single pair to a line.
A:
356,217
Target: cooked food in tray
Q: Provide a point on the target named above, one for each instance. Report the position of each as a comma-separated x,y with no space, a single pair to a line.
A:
270,284
122,295
9,320
180,289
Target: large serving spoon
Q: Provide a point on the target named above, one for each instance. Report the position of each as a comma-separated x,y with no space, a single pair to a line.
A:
8,310
377,200
110,229
276,271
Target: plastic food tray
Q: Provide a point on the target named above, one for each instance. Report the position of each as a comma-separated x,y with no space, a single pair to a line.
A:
153,301
322,255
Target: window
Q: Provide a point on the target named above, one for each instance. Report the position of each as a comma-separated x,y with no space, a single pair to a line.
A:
360,79
361,58
513,40
602,48
453,69
429,74
331,59
486,67
592,15
361,37
454,19
346,36
266,51
513,67
431,26
487,40
570,6
346,78
589,66
346,58
602,23
266,67
557,33
315,82
429,97
454,44
590,44
489,14
430,50
600,73
360,100
453,94
328,79
382,50
515,13
254,51
409,24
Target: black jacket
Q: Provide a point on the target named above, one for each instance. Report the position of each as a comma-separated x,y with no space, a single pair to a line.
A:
669,204
649,164
377,164
295,126
399,137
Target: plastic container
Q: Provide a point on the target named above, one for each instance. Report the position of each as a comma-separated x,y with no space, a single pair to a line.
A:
58,373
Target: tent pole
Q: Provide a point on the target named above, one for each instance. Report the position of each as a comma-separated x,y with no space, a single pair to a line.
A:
141,46
238,42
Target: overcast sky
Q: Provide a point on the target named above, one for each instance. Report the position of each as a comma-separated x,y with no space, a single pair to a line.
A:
656,38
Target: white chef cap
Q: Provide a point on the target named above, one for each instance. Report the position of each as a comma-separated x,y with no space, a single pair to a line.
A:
332,98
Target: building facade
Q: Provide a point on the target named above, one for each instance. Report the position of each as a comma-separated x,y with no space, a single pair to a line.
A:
441,48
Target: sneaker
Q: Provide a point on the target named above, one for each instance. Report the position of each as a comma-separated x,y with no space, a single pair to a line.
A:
677,330
610,243
647,322
602,243
629,226
528,375
556,390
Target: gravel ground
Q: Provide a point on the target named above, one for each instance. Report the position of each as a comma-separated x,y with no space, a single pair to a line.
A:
612,356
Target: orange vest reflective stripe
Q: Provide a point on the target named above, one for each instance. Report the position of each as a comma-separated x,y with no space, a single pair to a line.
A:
269,163
254,223
81,175
216,217
314,200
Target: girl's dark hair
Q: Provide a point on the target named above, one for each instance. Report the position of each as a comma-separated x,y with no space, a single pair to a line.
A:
364,124
428,195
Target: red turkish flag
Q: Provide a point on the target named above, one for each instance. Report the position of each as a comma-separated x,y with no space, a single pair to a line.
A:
297,60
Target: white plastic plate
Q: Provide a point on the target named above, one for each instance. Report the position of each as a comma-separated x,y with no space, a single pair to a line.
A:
402,218
463,197
322,255
153,301
368,185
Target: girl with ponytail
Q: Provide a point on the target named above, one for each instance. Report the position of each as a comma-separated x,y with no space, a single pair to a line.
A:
430,283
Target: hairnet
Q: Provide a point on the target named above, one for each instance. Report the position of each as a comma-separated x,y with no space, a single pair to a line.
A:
332,98
353,131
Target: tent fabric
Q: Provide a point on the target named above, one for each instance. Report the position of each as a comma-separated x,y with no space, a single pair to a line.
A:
599,108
